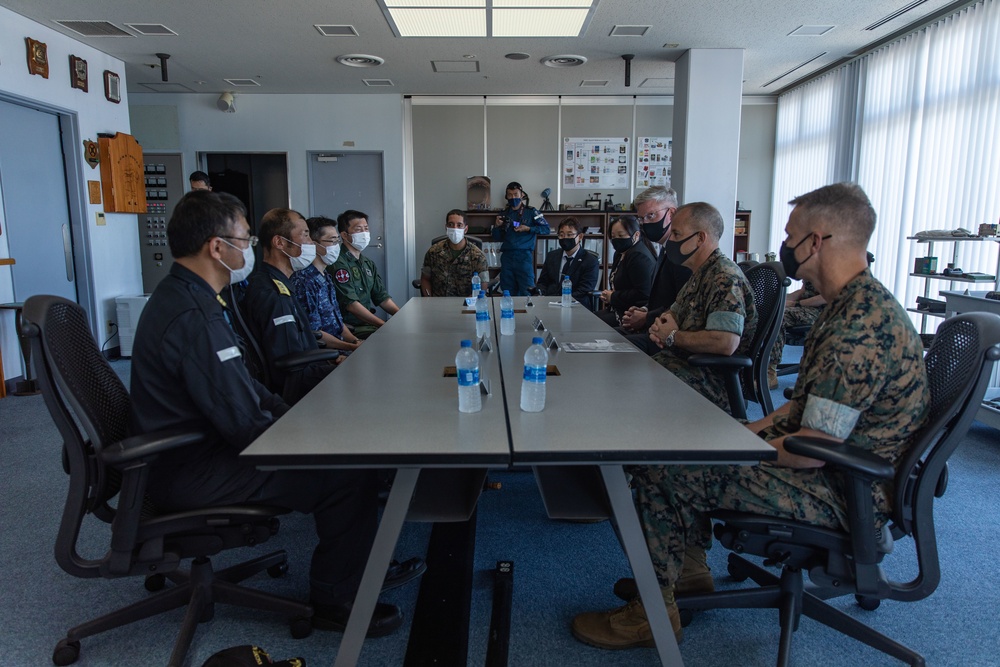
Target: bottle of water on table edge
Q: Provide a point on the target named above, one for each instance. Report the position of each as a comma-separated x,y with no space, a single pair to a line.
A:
477,283
506,314
536,361
482,316
467,365
567,292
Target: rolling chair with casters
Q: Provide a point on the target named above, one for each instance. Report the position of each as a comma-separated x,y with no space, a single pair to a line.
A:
106,463
840,562
746,375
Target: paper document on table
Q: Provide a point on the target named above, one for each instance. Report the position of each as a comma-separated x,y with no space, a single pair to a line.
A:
558,304
599,345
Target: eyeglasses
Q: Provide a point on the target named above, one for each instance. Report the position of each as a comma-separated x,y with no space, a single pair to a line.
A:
567,235
653,216
329,243
251,239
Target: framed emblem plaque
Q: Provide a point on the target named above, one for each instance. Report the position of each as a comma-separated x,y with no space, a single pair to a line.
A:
112,91
78,73
38,57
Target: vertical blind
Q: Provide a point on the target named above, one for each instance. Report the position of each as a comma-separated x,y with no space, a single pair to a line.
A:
915,123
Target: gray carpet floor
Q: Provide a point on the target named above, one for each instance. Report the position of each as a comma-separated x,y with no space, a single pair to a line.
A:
561,569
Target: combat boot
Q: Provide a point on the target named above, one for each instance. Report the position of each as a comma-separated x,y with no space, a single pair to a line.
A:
695,579
624,627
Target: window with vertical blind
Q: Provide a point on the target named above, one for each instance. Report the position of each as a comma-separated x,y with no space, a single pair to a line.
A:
915,123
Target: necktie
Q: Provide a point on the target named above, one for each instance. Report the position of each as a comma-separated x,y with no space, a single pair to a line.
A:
565,267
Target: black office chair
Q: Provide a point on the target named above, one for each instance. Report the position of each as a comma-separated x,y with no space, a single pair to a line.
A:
106,463
746,375
253,356
840,563
478,242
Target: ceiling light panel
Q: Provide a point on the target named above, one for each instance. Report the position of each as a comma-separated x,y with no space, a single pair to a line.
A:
435,3
439,22
543,3
538,22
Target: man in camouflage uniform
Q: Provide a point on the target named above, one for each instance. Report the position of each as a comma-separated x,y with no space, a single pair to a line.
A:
802,308
862,382
450,263
714,312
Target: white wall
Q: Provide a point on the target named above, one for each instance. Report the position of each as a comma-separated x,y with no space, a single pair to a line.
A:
291,124
108,253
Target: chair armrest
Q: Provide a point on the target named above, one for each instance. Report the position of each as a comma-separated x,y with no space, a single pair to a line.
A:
148,445
843,456
719,362
299,359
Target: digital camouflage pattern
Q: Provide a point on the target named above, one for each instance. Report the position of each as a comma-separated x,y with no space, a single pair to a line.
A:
795,317
450,273
357,280
717,297
315,292
862,364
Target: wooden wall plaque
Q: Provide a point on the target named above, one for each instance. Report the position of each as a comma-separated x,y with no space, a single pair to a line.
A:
78,73
122,174
38,57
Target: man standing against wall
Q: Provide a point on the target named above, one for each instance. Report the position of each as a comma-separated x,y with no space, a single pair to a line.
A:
518,227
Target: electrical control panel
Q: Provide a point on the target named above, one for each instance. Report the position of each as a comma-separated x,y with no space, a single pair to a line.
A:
165,185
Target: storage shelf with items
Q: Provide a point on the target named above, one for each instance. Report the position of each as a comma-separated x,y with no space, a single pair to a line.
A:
741,235
927,268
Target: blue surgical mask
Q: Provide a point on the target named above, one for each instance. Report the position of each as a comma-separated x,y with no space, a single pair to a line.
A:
514,202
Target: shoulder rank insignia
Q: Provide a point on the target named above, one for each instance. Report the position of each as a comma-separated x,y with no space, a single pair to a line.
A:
281,287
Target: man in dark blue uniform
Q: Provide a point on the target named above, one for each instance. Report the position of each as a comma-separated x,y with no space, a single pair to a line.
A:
518,227
187,372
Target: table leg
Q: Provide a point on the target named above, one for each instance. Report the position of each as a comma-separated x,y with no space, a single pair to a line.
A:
378,562
642,567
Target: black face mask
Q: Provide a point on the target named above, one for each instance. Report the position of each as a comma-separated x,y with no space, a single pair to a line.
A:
567,244
673,250
654,231
621,245
787,256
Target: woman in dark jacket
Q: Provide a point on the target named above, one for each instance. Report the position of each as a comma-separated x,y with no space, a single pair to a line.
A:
631,271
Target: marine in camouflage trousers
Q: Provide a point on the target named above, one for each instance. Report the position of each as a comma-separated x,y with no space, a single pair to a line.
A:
794,317
703,380
673,502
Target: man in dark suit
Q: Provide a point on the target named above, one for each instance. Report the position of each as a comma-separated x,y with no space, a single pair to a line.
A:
570,260
655,208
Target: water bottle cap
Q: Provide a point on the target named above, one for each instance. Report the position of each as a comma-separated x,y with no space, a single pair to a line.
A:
537,341
506,292
466,343
475,273
482,294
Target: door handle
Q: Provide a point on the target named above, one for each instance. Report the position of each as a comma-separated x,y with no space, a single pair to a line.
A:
378,245
68,252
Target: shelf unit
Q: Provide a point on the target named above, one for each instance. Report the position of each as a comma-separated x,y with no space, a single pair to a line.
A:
930,241
595,238
741,234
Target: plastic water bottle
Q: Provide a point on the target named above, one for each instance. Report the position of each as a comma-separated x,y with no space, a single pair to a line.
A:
506,314
467,364
567,292
477,283
482,316
536,361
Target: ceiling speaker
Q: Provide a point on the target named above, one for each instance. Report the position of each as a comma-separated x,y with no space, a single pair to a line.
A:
226,103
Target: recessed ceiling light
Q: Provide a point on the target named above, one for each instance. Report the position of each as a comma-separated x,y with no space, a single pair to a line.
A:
563,61
359,60
493,18
517,56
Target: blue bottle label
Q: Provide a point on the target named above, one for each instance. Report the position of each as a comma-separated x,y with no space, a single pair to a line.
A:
534,373
507,314
482,316
468,377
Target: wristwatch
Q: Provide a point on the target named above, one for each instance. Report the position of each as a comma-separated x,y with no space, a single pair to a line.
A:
669,341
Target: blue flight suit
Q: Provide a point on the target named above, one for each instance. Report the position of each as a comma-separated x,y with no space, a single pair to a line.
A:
517,259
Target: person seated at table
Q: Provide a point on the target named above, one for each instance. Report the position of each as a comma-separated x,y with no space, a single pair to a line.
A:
314,288
359,286
187,373
862,382
631,270
572,260
450,263
714,312
273,315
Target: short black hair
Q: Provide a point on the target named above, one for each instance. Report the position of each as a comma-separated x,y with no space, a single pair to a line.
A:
317,224
344,219
570,222
234,204
514,185
200,176
455,211
276,222
197,217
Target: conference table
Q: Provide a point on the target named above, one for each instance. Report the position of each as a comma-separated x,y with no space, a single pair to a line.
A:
603,412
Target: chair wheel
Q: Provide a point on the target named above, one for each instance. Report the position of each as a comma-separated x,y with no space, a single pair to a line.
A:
279,570
66,652
301,627
155,582
687,616
868,604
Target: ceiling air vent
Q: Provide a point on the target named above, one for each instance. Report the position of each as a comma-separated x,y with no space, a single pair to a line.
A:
799,66
95,28
336,30
592,83
378,82
629,30
563,61
166,87
241,82
517,55
359,60
811,30
657,83
455,65
895,15
151,29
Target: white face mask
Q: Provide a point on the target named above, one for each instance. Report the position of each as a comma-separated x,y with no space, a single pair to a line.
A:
332,253
241,274
455,235
360,240
305,258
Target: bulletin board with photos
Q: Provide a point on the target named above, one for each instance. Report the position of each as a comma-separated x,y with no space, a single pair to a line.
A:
652,161
595,163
